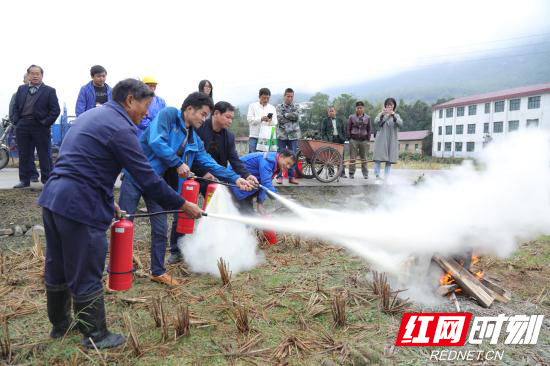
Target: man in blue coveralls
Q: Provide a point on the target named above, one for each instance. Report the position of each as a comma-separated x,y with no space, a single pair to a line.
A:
172,146
264,166
78,206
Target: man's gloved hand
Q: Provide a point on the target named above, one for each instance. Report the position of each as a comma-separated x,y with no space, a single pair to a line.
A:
192,210
253,180
243,185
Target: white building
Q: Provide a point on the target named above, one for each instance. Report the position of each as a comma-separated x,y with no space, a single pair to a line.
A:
461,126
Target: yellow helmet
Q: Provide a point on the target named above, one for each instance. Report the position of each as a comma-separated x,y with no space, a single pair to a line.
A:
150,80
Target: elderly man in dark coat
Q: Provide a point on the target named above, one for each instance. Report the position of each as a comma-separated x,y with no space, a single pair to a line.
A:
35,109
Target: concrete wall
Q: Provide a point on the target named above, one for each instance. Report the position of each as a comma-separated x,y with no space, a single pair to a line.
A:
521,115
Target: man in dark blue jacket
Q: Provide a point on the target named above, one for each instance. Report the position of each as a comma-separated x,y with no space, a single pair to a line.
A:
95,93
78,207
35,109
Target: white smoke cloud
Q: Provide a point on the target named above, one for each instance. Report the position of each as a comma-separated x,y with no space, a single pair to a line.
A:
212,239
488,207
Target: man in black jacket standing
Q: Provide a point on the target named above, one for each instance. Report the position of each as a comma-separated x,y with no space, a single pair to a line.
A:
35,109
219,142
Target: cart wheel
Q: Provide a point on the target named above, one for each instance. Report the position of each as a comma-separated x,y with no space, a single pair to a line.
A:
327,164
4,157
306,171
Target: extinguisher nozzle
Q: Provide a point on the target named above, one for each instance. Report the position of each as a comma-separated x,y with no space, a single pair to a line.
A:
204,214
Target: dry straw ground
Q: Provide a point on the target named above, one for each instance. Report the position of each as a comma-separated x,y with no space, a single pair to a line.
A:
309,303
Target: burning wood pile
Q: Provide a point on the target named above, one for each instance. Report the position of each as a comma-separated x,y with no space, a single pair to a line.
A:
462,279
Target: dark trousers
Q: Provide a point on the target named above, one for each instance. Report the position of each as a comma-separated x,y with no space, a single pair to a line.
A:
130,194
75,254
291,145
30,134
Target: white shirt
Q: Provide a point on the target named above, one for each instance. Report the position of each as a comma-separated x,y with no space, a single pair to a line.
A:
334,129
254,117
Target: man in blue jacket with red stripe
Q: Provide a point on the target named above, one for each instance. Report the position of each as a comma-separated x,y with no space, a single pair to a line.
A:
264,166
78,205
172,147
95,93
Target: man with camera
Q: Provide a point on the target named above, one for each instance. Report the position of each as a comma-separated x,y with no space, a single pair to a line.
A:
260,113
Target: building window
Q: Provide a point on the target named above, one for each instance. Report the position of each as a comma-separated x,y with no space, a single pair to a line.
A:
487,107
448,130
532,123
458,146
533,103
459,129
449,112
513,126
460,111
406,147
470,146
448,146
416,147
441,113
497,127
472,110
486,127
514,104
439,146
499,106
440,130
471,128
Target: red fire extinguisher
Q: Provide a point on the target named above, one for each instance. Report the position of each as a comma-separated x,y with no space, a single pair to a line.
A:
270,235
121,253
190,192
209,193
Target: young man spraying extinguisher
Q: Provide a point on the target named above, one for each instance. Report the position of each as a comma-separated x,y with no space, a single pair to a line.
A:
219,142
173,147
264,166
78,206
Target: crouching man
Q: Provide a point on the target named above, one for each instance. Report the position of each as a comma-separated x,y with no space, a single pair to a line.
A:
264,166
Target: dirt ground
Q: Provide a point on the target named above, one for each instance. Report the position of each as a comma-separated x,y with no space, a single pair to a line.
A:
276,314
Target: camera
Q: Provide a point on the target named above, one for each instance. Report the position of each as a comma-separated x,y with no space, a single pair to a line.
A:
269,115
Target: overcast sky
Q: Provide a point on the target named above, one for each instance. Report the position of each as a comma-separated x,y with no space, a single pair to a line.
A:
244,45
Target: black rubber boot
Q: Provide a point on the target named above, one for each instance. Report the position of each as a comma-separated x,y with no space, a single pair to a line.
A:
59,309
90,313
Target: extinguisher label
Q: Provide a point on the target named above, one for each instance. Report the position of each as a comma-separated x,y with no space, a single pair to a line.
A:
119,230
189,188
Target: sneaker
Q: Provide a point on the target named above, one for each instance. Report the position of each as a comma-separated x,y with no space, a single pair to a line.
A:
378,180
175,258
293,181
165,279
351,176
366,176
22,185
279,180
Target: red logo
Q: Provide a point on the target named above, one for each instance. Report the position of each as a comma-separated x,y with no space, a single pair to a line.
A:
433,329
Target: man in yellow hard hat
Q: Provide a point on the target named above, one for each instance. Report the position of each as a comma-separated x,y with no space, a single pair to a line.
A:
156,105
